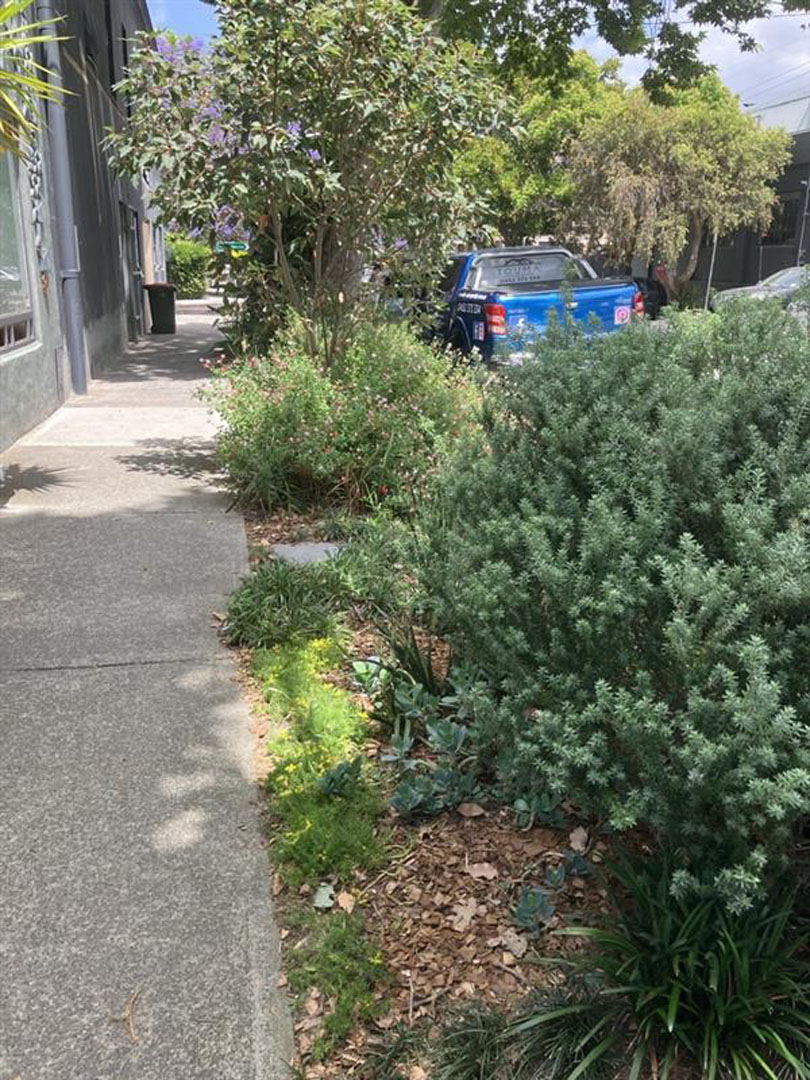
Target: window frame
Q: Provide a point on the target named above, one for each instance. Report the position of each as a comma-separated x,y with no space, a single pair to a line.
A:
17,328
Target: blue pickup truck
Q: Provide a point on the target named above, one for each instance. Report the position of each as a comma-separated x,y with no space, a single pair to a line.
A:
498,300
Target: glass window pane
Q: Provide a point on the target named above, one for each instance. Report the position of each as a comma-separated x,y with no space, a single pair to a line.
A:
15,298
536,268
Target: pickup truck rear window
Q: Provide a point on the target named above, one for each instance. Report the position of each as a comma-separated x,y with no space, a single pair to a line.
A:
499,271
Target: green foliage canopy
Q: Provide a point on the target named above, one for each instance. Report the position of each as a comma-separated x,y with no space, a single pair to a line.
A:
537,35
522,173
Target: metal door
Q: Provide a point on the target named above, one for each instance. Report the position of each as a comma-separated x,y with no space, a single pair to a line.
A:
132,271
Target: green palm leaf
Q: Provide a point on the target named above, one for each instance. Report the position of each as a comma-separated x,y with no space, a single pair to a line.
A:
22,86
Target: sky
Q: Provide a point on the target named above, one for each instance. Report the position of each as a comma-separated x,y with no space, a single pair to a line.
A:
780,71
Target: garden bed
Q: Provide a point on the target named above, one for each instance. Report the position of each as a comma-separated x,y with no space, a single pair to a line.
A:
438,918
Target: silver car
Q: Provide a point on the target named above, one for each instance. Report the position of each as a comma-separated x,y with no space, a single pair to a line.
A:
779,286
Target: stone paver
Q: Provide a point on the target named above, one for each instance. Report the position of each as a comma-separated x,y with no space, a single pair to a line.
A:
131,852
306,551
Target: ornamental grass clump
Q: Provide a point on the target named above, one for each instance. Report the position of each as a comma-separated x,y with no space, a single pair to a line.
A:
674,990
628,563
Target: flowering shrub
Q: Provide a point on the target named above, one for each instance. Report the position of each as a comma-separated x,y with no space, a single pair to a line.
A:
369,428
629,566
321,132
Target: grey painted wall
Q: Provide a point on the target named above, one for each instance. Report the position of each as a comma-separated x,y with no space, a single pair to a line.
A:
35,379
93,60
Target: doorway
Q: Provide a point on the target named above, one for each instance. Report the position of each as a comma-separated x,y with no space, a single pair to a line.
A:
131,270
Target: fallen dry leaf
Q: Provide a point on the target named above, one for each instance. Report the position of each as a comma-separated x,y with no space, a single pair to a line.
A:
578,839
416,1072
514,942
346,902
463,913
470,809
482,871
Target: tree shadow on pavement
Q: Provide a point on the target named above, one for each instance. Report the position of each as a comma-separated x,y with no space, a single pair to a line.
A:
194,459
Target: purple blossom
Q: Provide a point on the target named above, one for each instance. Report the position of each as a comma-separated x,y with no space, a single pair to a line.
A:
216,136
313,155
213,111
164,47
294,128
228,225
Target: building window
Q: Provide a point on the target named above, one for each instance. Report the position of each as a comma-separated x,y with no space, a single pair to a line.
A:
784,225
16,316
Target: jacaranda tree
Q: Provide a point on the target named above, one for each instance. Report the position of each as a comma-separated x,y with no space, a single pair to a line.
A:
322,131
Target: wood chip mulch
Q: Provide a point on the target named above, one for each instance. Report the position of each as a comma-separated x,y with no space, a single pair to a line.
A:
442,917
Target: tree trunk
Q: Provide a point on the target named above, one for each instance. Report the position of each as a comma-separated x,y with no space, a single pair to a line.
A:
687,264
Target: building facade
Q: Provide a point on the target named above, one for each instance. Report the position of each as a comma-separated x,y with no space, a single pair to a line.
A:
76,242
746,257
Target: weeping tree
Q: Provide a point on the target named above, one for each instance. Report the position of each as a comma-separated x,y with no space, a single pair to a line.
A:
650,179
321,134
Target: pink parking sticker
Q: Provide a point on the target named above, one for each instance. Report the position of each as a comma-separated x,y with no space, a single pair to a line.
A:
621,316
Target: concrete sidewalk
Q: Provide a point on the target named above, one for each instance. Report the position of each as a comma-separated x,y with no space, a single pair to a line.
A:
132,863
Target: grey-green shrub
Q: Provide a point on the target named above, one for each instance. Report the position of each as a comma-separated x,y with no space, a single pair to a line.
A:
187,266
628,563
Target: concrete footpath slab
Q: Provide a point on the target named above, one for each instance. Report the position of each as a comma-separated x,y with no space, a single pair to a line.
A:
135,881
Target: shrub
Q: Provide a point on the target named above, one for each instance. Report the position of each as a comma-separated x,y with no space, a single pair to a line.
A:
628,564
369,427
703,992
187,266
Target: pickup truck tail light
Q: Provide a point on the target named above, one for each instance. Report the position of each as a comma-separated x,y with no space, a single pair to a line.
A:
638,305
495,314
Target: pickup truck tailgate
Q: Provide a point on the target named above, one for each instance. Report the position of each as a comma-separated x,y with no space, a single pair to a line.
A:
610,304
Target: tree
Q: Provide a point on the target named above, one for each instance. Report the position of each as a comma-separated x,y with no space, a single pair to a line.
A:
325,132
650,179
537,35
21,87
522,173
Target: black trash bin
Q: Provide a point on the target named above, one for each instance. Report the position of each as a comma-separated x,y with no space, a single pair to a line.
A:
161,307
